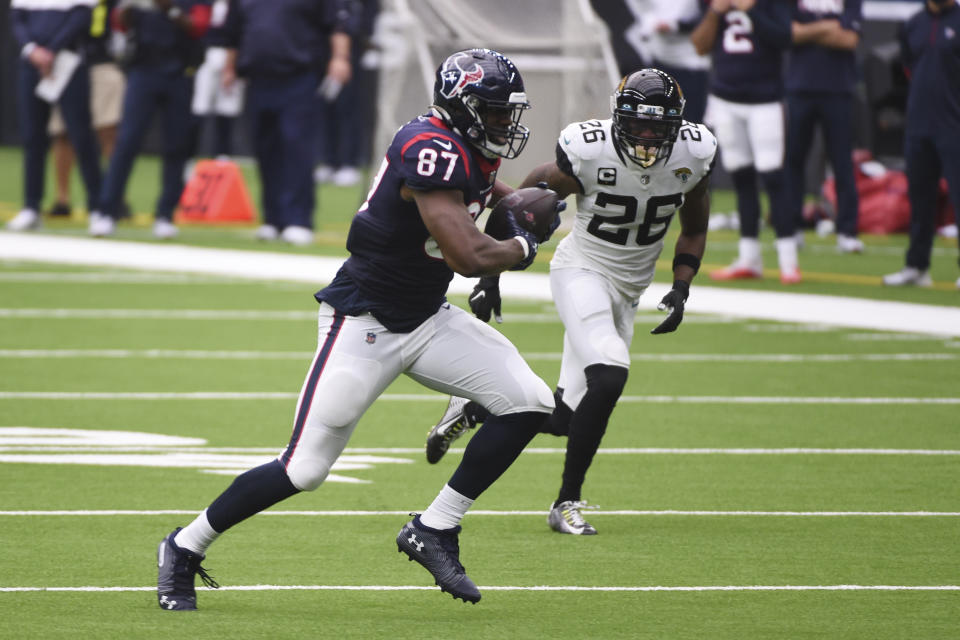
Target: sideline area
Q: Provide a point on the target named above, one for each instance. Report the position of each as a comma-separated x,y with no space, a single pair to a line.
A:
259,265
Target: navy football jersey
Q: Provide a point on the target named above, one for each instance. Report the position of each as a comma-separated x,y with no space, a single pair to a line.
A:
816,68
395,270
748,53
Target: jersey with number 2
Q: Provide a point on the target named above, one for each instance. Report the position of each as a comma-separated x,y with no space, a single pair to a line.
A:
625,210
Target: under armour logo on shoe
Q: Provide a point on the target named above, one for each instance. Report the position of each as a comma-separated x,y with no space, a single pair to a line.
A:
413,541
166,602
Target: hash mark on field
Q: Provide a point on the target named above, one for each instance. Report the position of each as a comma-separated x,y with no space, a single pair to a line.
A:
325,587
421,397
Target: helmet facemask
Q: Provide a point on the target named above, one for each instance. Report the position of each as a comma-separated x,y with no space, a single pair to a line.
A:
480,94
647,115
644,135
497,130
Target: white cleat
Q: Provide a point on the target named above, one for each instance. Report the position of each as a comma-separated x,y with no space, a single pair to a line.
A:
299,236
849,244
454,423
164,229
266,233
26,220
909,276
101,225
346,177
566,518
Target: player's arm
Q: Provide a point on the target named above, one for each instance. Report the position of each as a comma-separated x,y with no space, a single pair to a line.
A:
691,243
705,34
826,33
812,32
466,249
555,178
839,38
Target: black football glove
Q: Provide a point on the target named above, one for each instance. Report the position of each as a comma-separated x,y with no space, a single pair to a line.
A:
486,298
673,301
561,206
531,239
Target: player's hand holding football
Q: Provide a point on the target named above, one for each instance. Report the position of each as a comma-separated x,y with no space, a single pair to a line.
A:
486,299
560,207
526,238
673,302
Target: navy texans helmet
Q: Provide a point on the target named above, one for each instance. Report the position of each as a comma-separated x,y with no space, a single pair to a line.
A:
479,92
647,113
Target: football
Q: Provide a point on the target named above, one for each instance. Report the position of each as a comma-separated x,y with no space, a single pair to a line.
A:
534,209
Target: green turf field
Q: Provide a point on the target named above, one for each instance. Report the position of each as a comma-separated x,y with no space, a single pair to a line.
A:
758,480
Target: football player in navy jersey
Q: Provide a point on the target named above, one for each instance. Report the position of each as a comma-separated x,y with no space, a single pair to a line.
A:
385,314
631,174
744,110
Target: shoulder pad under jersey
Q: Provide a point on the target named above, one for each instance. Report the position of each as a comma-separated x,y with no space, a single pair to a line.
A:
698,140
429,157
584,140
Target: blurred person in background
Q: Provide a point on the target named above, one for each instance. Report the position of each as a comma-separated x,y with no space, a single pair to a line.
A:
214,101
345,120
48,33
820,79
930,47
291,53
745,112
107,84
165,37
656,33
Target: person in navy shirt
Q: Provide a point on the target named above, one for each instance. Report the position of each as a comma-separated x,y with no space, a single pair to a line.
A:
385,314
930,47
820,78
42,30
745,112
285,49
167,37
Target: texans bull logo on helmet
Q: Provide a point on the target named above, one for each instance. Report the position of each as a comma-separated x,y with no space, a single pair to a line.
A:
454,80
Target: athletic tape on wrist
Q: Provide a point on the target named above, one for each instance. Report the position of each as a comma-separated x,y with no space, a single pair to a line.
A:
687,259
523,243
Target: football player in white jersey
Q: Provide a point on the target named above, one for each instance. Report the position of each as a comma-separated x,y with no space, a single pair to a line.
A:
630,174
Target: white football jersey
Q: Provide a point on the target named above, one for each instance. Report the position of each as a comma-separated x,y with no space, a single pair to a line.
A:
625,209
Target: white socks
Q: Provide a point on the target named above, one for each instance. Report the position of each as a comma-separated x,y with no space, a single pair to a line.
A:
447,509
197,536
787,254
750,256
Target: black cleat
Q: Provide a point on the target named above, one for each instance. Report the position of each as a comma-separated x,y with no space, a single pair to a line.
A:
439,553
455,422
175,577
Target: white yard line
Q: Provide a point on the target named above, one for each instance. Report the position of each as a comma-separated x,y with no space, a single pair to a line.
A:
259,265
624,451
481,512
200,354
416,397
608,589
